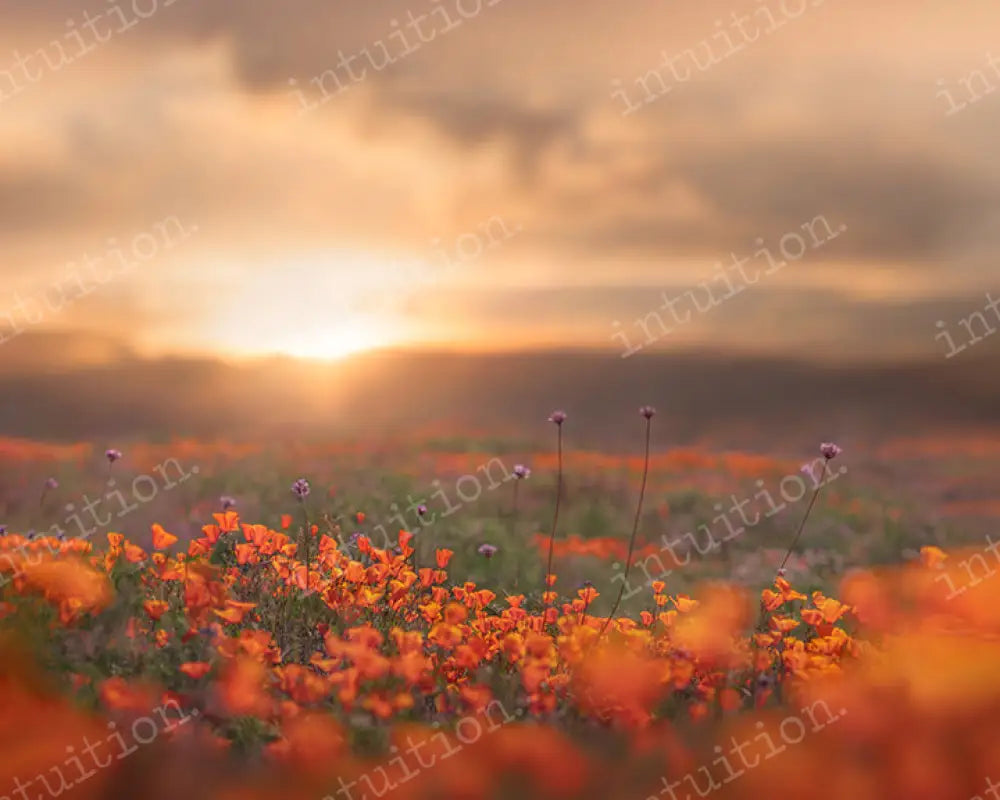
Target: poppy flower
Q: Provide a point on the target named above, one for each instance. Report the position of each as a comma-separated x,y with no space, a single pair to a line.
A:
195,669
161,539
228,521
156,609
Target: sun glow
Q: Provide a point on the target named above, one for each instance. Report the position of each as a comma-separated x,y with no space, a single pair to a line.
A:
324,340
318,306
336,342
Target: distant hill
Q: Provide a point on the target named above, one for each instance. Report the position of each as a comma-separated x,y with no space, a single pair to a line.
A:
700,395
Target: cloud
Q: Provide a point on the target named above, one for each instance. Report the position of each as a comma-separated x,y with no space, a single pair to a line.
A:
901,207
512,115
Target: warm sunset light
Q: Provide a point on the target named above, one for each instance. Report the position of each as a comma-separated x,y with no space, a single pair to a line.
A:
338,342
323,340
690,189
499,400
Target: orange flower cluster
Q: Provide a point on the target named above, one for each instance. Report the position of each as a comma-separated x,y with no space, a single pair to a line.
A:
284,641
603,547
56,570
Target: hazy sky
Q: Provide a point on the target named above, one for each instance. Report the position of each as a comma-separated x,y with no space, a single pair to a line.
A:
522,173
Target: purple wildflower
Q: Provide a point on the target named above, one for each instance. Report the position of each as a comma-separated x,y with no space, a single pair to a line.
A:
558,417
829,450
648,412
112,455
227,502
521,471
421,509
51,483
3,530
301,488
487,550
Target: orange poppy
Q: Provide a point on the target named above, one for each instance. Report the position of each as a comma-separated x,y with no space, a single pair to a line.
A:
161,539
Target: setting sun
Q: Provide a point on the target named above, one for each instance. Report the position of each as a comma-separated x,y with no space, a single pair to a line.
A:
339,341
320,339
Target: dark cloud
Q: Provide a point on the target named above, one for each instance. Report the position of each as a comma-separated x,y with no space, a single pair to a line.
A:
828,325
483,119
37,198
898,207
191,114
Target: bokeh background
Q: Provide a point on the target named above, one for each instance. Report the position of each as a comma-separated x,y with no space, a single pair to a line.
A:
397,191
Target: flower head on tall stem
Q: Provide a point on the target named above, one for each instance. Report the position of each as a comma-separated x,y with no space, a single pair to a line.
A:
487,550
301,490
557,417
112,455
50,484
521,473
227,502
647,413
829,450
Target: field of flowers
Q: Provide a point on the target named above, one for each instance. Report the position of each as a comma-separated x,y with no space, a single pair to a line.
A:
677,625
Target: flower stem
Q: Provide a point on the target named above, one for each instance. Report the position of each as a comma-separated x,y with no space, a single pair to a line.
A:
555,516
764,616
305,608
511,529
805,517
635,530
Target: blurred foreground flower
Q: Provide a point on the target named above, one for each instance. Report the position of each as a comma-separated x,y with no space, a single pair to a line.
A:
71,583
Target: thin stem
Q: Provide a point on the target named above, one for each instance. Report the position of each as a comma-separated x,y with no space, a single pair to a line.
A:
802,525
555,517
762,625
583,614
635,530
307,535
109,483
512,526
307,634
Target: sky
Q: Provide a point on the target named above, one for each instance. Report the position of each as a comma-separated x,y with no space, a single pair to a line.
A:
321,177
